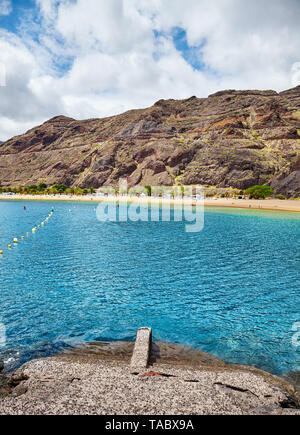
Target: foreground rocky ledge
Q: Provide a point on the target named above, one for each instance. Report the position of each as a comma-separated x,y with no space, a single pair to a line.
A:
97,379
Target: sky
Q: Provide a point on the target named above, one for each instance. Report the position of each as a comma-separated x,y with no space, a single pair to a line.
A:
96,58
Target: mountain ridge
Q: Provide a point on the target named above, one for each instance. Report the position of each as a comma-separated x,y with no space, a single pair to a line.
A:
232,138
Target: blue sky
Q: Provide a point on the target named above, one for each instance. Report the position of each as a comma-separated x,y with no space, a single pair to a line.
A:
27,10
191,54
13,20
95,58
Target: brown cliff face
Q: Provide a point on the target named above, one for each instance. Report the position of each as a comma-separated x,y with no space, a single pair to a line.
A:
230,139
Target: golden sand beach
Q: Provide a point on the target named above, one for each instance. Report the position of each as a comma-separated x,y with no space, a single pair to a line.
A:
268,204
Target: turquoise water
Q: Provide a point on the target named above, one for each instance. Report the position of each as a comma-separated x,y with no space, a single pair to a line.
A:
231,290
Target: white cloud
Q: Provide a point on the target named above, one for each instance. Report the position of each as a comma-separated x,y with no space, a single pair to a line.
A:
5,7
96,58
296,74
19,104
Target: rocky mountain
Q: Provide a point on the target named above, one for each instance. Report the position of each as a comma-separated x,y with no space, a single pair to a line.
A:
230,139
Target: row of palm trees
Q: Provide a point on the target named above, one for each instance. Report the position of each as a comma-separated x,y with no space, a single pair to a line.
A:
44,189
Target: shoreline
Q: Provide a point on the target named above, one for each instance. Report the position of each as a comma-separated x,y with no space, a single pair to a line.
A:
248,204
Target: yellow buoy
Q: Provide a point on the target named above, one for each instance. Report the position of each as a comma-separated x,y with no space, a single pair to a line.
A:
27,234
1,252
9,246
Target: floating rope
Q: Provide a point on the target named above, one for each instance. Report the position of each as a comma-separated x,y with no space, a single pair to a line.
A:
16,240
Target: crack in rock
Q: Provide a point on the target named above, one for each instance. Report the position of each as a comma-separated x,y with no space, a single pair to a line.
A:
231,387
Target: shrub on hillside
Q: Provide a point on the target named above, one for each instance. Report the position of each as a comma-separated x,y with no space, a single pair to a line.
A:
259,192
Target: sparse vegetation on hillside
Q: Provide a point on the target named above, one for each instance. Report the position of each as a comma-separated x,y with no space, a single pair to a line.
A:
259,192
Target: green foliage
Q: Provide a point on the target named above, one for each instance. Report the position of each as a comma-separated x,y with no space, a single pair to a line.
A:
259,192
41,187
225,195
31,189
60,188
78,191
281,197
149,190
5,189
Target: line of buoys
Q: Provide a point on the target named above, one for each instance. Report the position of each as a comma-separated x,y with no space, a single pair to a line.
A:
34,229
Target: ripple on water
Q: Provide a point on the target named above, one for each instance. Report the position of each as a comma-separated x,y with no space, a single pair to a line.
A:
231,290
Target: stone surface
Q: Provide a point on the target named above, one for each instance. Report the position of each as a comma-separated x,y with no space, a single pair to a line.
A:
230,139
96,380
142,349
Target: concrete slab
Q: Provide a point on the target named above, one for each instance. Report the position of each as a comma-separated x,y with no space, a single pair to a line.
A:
142,350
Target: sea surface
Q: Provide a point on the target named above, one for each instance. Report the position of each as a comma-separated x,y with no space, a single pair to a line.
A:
232,290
